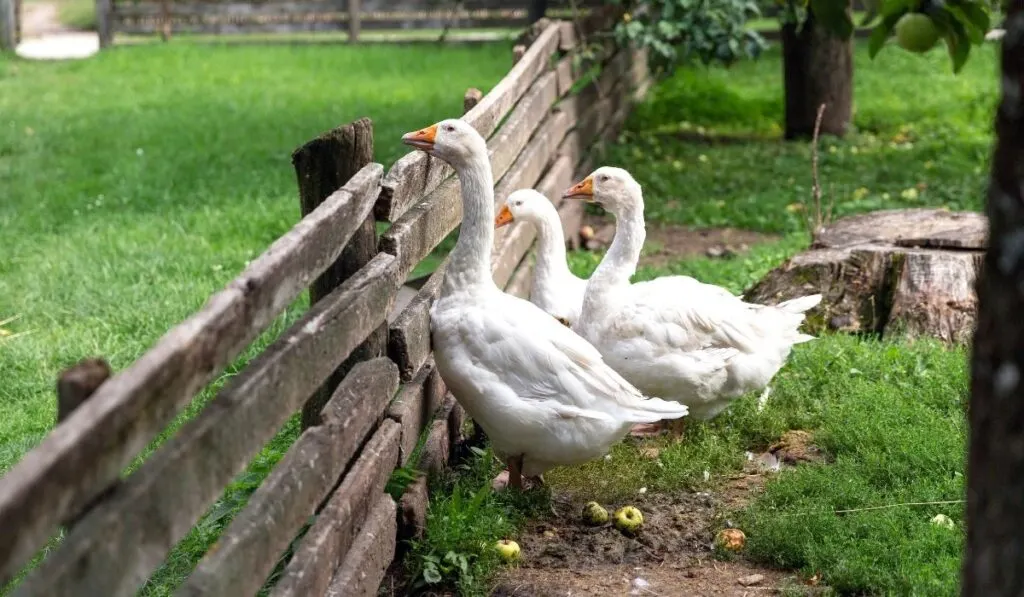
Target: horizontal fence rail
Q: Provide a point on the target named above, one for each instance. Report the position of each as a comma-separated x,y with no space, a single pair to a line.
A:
144,17
357,364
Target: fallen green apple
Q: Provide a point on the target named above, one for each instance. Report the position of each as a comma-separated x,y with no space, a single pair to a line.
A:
594,514
508,549
628,519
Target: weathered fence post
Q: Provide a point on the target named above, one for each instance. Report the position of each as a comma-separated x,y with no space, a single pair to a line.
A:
323,166
74,386
104,22
353,21
8,26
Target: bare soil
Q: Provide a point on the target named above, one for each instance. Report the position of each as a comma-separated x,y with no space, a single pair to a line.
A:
672,555
667,243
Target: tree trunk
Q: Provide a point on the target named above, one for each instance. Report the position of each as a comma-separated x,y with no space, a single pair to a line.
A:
817,69
995,463
537,10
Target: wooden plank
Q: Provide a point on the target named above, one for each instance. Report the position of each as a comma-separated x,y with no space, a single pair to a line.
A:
568,72
322,166
521,281
573,33
423,226
412,510
331,536
516,240
437,447
86,453
409,334
75,385
249,548
362,571
522,122
417,174
353,21
8,26
559,177
105,22
415,406
120,542
471,98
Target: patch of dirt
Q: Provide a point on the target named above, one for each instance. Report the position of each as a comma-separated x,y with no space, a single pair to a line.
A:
40,18
796,446
667,243
672,554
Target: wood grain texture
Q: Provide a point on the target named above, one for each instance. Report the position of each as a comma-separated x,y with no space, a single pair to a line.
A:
363,568
333,532
521,281
437,447
77,461
122,540
409,333
415,405
513,241
882,273
517,160
250,547
417,174
322,166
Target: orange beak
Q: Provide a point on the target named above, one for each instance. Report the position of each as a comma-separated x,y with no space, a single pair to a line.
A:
421,139
504,217
584,189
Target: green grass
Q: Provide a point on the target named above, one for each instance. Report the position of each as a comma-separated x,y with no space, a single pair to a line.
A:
888,414
139,182
915,123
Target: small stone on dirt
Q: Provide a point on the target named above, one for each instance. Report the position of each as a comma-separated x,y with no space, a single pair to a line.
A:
750,580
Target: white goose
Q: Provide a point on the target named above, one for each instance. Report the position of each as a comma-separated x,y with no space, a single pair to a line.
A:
675,337
555,289
543,394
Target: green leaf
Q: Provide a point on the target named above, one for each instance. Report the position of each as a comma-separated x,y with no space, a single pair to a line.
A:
834,16
977,14
882,32
896,7
958,44
431,575
975,35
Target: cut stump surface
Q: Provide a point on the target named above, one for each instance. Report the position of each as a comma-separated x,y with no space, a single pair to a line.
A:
896,272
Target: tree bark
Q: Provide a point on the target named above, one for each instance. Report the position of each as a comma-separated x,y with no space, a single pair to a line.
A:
817,69
995,464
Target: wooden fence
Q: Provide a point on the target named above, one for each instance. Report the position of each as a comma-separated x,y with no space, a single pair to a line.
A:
357,363
289,16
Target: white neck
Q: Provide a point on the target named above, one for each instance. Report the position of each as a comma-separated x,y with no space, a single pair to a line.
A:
619,263
551,268
470,261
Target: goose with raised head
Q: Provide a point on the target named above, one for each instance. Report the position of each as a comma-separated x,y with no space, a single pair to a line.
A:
542,393
554,288
675,337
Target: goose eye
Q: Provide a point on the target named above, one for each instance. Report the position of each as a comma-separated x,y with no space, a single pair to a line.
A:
603,178
449,128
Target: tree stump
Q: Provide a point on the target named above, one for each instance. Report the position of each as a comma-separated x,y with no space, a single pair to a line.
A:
909,272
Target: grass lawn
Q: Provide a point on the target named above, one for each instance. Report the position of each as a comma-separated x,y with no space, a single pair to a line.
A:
138,182
888,414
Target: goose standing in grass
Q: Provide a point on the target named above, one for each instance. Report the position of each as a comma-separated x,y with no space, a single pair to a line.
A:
555,289
675,337
543,394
